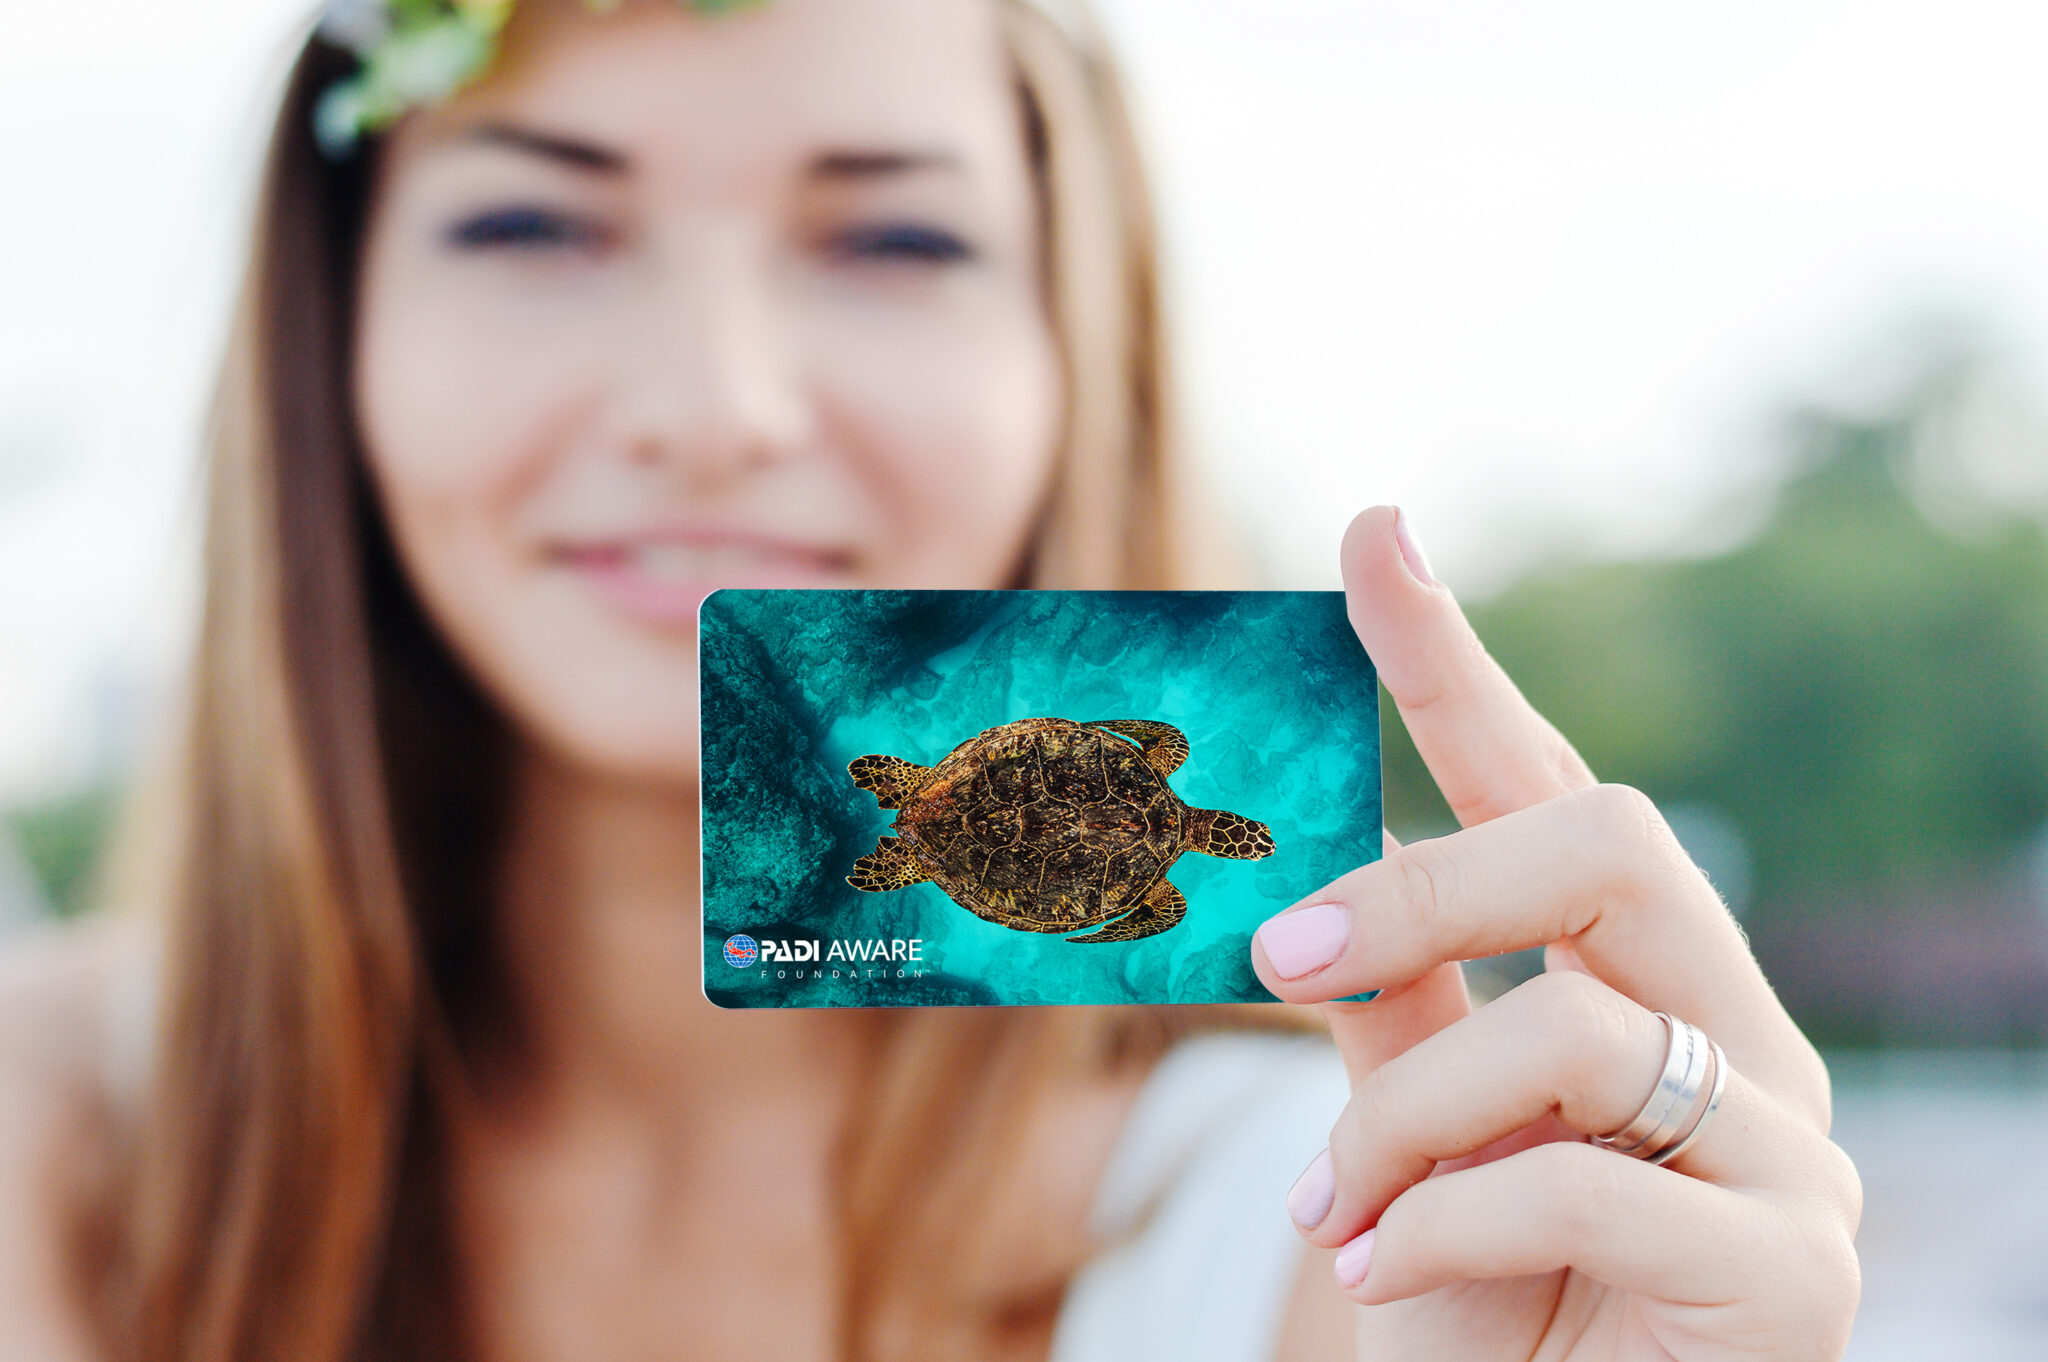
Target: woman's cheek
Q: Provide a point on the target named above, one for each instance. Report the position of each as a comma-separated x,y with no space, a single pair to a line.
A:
447,459
465,404
455,372
1012,419
955,430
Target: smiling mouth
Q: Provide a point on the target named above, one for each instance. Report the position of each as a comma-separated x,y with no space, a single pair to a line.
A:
682,562
663,580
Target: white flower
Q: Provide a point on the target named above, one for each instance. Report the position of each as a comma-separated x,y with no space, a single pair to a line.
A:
426,66
339,117
358,25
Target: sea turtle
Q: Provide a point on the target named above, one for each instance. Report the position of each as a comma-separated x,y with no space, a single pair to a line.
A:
1047,825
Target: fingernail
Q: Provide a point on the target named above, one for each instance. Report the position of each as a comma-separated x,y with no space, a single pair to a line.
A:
1313,1193
1353,1260
1307,939
1411,550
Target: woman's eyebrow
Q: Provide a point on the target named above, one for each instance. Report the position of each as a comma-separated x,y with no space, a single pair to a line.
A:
866,165
570,152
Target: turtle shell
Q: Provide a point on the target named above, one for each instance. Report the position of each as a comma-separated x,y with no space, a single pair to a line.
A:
1045,825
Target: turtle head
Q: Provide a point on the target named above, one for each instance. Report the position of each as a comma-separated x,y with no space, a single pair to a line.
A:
1229,835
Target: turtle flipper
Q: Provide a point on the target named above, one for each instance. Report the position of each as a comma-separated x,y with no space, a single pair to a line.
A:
891,780
1230,835
1163,908
889,866
1165,747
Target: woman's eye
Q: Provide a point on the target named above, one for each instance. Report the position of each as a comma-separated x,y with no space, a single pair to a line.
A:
526,229
911,243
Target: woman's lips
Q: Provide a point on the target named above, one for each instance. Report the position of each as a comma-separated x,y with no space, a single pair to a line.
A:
663,581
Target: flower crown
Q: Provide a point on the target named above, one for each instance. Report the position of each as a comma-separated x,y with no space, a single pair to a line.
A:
416,52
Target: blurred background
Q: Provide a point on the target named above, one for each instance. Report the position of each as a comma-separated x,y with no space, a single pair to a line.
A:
1707,349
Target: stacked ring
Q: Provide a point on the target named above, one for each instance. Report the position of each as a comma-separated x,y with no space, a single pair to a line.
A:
1672,1118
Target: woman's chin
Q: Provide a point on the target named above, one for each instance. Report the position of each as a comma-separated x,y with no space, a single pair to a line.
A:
611,703
658,763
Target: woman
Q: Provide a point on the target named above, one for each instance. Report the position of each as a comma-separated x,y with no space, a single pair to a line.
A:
822,293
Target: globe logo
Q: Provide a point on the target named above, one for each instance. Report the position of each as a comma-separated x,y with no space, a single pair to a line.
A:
740,951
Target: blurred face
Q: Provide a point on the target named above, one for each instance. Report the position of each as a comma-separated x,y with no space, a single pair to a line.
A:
669,303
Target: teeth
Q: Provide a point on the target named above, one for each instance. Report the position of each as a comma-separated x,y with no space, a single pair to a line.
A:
698,562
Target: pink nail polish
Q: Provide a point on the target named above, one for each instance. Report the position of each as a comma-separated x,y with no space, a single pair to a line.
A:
1306,940
1313,1193
1354,1259
1411,549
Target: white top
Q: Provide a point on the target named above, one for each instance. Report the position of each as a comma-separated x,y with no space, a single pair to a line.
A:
1201,1257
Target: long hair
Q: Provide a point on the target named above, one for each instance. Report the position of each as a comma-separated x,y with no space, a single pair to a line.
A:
336,810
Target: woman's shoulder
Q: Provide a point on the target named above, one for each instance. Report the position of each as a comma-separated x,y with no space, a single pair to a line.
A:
53,983
1199,1260
57,1105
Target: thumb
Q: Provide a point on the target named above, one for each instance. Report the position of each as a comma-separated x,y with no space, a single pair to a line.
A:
1368,1034
1562,955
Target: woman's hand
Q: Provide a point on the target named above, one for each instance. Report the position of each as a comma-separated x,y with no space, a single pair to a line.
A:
1475,1219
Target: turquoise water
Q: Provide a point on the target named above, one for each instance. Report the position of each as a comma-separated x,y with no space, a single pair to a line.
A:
1279,703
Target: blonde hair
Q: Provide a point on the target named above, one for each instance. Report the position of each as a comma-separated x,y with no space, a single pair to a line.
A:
329,951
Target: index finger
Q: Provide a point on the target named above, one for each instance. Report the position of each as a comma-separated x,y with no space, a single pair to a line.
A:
1488,749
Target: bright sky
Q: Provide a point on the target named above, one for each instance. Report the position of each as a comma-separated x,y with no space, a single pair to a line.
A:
1538,272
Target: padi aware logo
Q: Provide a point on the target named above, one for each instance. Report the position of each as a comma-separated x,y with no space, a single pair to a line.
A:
896,958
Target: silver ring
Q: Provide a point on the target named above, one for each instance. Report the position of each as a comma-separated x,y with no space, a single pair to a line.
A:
1672,1117
1713,1101
1657,1108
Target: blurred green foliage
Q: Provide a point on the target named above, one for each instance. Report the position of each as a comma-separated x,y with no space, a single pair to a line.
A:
1864,693
61,842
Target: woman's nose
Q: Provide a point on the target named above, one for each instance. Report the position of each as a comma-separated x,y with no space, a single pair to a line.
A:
714,388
